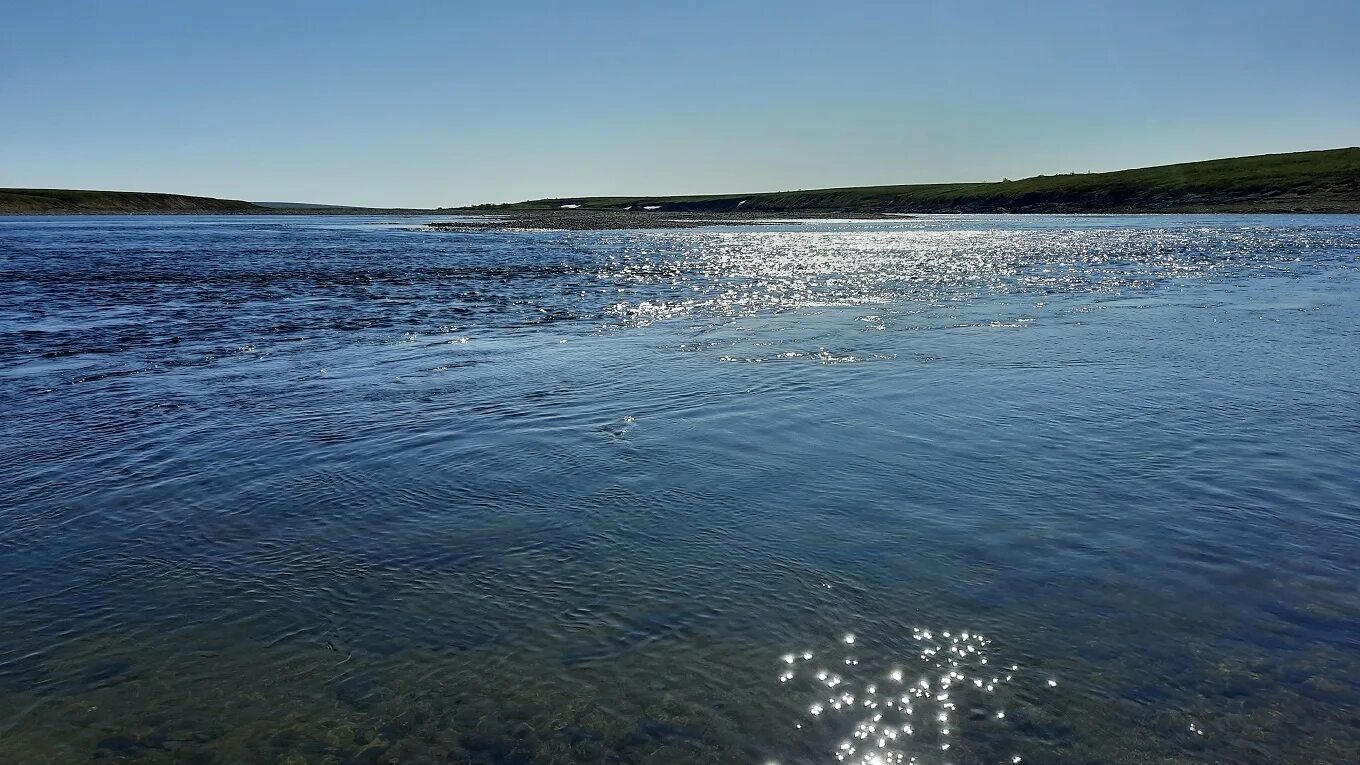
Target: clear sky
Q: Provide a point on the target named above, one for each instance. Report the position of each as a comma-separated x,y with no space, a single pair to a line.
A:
442,103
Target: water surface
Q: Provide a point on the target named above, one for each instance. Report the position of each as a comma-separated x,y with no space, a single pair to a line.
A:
333,490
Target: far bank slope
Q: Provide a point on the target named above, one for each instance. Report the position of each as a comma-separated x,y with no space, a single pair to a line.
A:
1307,181
42,201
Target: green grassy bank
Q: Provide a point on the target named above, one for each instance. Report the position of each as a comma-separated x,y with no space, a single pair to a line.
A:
1309,181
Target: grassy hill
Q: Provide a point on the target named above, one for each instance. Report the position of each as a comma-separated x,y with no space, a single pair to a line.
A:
57,201
1309,181
37,201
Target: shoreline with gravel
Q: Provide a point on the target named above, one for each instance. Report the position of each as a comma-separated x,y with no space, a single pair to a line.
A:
602,220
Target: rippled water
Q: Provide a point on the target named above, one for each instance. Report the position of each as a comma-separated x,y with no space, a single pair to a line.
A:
352,490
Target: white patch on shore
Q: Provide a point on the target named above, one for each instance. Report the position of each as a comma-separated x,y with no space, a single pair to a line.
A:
568,207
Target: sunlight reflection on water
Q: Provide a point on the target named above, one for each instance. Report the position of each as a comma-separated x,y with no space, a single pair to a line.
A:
740,273
902,710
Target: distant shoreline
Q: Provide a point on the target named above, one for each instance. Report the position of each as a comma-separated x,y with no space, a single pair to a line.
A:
529,219
604,220
1300,182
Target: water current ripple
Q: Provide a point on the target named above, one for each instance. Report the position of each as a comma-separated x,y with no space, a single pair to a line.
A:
350,490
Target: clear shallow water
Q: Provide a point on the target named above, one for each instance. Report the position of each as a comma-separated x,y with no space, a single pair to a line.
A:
347,490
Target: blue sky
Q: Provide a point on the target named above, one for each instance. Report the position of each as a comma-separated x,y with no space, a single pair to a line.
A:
443,103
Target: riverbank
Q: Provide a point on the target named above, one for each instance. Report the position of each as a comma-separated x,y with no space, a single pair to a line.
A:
603,220
1300,182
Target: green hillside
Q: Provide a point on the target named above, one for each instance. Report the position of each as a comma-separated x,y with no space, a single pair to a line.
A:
38,201
1309,181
